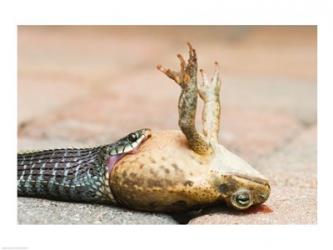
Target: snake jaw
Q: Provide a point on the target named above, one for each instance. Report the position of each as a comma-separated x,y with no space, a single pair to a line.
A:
113,159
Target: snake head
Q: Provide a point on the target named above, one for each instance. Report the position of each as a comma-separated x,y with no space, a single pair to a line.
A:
129,144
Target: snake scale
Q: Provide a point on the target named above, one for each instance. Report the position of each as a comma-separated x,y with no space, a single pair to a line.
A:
74,174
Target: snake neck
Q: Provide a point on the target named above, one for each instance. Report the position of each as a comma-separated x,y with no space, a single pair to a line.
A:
65,174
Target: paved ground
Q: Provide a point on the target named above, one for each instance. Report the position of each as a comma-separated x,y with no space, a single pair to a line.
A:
79,86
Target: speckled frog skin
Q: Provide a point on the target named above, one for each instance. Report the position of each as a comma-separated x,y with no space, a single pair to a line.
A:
180,179
163,171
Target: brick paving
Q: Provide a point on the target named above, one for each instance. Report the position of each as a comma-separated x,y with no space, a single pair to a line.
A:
88,85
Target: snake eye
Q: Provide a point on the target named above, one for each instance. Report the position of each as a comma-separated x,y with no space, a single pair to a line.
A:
242,199
132,137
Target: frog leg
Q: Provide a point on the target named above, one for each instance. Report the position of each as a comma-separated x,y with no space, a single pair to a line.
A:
186,78
209,92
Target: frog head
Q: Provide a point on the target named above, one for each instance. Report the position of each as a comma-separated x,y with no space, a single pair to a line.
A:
239,184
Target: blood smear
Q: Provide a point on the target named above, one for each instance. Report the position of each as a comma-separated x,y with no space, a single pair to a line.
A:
260,209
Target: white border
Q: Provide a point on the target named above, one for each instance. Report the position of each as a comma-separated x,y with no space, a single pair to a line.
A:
163,12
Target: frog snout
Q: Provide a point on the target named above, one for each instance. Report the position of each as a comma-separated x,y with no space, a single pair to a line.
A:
263,194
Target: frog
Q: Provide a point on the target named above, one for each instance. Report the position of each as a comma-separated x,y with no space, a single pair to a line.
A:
181,170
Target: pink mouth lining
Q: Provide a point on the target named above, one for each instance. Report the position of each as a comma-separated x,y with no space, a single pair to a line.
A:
113,160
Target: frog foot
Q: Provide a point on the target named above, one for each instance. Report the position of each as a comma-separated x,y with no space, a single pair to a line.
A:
209,92
188,71
186,78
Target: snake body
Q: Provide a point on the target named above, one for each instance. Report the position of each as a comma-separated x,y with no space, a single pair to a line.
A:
74,174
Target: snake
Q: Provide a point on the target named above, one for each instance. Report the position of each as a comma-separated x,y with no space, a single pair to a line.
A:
75,174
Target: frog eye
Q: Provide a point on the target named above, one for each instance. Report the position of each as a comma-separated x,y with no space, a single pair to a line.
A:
241,199
132,137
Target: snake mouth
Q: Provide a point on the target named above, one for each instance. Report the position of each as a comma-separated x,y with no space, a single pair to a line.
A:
114,159
135,150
